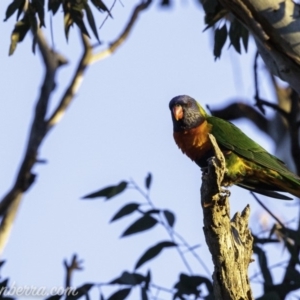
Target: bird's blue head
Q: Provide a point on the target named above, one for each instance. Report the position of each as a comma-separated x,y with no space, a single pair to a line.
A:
186,113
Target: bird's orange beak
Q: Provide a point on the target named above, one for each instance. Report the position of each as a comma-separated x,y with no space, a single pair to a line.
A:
177,112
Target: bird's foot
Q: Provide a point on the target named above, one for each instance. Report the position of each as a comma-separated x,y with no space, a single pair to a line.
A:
225,193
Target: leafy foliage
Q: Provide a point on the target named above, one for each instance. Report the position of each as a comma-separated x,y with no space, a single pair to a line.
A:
189,285
33,12
142,224
125,210
220,39
237,33
108,192
170,217
214,12
149,217
30,15
148,181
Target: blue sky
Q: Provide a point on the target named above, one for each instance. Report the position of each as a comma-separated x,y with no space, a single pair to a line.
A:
117,128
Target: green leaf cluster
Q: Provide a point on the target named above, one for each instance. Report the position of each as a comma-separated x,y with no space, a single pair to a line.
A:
31,14
214,13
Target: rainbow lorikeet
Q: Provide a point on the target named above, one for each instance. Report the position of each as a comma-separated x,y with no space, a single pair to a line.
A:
248,164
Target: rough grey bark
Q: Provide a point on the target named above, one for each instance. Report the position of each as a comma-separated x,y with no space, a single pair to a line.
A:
229,241
275,25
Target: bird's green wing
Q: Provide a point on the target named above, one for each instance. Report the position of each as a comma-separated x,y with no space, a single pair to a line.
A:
232,138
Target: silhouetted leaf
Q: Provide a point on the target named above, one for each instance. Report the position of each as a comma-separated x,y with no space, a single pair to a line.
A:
169,217
77,16
54,297
129,279
3,285
269,296
220,39
109,191
152,211
39,7
91,20
148,181
152,252
79,292
262,261
101,6
33,25
144,223
125,210
237,32
210,6
19,32
234,36
214,11
68,22
3,289
245,36
120,295
189,285
15,5
144,295
53,5
2,262
20,11
147,280
165,3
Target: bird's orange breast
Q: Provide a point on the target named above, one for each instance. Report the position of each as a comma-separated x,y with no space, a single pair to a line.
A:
194,142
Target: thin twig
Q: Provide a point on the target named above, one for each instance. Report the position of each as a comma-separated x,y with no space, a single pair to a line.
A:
256,96
261,204
74,84
87,59
269,267
172,232
274,106
163,223
108,14
75,264
259,101
120,40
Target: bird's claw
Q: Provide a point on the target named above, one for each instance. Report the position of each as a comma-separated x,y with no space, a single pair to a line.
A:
224,192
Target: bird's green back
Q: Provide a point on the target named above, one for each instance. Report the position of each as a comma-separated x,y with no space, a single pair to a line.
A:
232,138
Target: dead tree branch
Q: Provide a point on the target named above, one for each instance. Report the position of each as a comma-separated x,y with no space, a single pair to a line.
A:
229,241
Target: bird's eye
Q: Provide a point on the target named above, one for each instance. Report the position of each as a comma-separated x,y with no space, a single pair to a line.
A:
189,104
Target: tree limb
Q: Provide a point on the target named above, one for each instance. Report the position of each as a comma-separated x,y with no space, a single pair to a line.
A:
74,85
10,203
275,27
239,110
40,127
229,241
89,58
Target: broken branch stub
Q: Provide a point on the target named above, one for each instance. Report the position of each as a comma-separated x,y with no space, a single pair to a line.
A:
229,241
